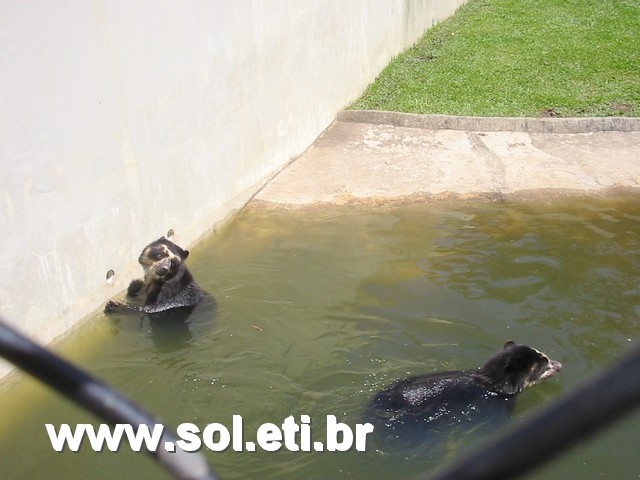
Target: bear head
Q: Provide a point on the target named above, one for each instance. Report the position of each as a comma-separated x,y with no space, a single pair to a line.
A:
162,259
516,367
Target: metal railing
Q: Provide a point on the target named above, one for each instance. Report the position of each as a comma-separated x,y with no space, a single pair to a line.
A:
97,397
576,416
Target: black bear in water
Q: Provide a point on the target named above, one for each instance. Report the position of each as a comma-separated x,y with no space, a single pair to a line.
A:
167,282
439,401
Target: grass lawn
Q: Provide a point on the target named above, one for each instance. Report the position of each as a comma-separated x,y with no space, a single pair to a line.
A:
567,58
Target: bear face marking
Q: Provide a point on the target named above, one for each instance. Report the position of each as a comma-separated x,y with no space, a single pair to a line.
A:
158,261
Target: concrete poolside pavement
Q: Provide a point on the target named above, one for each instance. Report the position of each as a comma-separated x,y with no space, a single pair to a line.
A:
366,156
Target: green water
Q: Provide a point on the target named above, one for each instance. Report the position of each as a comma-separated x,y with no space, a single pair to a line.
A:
318,309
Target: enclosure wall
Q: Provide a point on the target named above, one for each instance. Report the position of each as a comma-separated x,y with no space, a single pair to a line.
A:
121,120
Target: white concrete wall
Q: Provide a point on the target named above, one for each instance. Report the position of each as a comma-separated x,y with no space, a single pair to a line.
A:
121,119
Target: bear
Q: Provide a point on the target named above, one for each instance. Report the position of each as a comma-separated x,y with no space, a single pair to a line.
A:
167,284
461,399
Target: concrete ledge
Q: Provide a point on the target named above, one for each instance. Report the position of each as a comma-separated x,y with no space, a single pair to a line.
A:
373,157
493,124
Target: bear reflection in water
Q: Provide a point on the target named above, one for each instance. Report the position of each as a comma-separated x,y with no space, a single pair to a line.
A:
428,408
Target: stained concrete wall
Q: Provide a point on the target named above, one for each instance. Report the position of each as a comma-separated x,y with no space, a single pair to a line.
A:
122,119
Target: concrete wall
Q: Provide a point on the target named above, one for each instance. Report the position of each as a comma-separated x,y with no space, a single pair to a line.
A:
122,119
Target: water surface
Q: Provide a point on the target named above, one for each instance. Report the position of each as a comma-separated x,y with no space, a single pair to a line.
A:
318,309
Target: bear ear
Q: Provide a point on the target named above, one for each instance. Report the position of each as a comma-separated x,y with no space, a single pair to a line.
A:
184,254
509,343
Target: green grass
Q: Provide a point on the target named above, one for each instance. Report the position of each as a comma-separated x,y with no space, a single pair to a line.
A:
570,58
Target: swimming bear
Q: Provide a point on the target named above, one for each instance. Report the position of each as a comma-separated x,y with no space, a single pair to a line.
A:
461,398
167,283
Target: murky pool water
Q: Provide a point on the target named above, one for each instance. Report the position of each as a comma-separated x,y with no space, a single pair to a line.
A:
318,309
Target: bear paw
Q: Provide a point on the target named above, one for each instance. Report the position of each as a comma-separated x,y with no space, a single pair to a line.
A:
111,307
135,287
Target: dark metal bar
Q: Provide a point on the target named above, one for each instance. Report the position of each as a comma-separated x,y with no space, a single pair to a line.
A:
98,398
589,408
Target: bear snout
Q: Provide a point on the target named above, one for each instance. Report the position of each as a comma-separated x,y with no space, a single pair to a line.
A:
553,367
162,268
